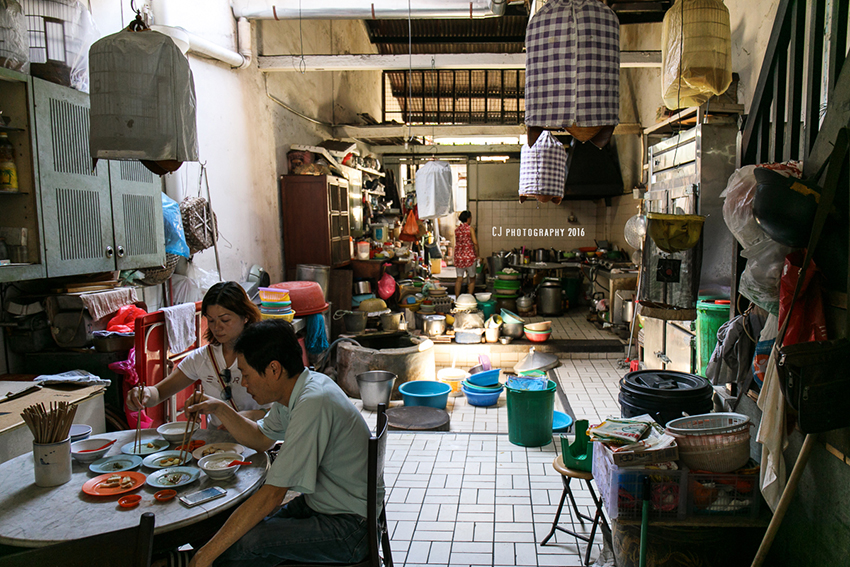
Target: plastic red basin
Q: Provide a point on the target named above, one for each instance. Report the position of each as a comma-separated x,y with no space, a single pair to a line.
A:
307,297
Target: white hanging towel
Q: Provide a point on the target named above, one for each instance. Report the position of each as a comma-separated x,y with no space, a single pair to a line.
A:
434,190
771,433
180,326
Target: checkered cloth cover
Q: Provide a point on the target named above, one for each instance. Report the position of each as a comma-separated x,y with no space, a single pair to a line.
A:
543,167
572,69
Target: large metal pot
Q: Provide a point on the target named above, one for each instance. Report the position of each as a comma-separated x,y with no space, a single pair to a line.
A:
524,303
549,295
541,255
361,287
434,325
314,273
497,262
514,258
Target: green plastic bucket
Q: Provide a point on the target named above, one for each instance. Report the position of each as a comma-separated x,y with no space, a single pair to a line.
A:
710,317
530,416
571,289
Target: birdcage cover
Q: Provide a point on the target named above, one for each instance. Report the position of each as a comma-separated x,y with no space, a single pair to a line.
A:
142,99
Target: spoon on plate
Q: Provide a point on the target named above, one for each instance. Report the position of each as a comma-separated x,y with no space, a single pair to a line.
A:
99,448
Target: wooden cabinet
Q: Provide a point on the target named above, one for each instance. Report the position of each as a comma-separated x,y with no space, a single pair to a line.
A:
73,218
95,219
315,221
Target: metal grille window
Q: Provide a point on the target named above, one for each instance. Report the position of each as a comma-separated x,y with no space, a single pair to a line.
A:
54,31
455,96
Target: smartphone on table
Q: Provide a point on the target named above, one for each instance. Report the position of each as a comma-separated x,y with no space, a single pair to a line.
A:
201,496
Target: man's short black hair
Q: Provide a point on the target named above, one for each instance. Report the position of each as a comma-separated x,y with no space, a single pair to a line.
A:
465,216
269,340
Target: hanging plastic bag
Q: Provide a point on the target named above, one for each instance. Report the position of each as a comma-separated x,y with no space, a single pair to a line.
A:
15,52
386,285
696,56
175,238
760,280
127,369
410,230
808,322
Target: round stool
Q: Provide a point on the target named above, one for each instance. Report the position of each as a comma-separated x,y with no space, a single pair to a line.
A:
567,474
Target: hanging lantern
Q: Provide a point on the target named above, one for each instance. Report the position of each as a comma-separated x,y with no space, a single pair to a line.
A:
142,100
696,52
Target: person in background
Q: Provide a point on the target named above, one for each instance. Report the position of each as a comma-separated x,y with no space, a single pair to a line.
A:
228,311
325,458
465,253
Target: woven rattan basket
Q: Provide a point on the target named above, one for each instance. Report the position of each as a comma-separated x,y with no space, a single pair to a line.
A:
160,274
199,223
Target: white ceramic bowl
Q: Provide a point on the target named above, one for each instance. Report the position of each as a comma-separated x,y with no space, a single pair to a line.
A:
483,296
86,444
218,473
173,431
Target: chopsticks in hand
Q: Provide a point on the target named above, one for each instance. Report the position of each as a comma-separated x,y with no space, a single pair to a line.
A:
190,429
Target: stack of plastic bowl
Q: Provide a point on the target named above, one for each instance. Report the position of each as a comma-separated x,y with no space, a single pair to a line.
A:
453,377
538,332
483,389
275,304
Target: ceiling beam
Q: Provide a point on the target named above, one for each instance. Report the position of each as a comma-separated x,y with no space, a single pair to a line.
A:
452,150
446,39
447,130
372,62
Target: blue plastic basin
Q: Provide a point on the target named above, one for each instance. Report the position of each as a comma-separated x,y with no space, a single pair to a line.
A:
425,393
486,378
481,399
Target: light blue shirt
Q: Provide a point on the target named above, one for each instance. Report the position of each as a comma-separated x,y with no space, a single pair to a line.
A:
325,454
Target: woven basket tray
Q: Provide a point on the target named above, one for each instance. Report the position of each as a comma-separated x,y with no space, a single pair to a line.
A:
160,274
199,223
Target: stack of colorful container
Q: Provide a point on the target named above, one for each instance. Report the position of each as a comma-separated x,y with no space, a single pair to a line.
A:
275,304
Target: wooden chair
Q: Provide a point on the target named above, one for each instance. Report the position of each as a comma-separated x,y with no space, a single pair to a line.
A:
130,547
376,523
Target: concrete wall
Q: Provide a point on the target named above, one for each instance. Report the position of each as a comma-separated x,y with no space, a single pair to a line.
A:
244,135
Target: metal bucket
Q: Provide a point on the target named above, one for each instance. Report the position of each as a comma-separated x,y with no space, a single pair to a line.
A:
314,273
390,321
375,388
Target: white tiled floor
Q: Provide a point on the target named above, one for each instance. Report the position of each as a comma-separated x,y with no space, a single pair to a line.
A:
470,497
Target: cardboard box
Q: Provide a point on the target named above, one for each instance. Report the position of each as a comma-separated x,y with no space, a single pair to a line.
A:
638,458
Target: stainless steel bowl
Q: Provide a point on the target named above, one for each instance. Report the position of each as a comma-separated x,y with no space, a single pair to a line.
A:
362,287
513,330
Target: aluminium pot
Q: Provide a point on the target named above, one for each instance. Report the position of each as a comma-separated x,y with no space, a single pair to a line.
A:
541,255
362,287
549,297
524,303
434,325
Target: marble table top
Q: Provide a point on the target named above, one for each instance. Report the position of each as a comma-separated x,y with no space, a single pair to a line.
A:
32,516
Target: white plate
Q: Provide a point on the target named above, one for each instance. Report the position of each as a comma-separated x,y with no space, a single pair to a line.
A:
158,445
224,448
116,464
161,478
152,461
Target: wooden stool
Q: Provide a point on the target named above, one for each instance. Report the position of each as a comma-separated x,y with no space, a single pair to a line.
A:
567,474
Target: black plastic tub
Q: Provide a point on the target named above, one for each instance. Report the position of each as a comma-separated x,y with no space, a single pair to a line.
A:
664,394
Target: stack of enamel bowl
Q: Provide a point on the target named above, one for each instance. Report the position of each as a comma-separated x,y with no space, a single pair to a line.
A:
275,304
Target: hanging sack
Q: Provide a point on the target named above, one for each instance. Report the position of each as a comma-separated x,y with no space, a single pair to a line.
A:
543,170
199,221
815,376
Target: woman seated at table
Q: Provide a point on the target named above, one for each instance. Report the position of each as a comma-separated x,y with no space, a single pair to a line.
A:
228,311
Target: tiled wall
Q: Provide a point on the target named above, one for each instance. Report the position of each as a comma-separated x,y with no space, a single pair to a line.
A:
500,225
612,220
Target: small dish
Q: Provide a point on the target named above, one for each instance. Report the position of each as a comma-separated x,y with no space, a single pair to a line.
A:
148,447
214,448
173,477
130,501
116,464
165,459
165,495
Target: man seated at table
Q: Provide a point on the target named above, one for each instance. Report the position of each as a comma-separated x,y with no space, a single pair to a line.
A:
324,458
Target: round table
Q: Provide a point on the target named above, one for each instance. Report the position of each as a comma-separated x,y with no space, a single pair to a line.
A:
33,516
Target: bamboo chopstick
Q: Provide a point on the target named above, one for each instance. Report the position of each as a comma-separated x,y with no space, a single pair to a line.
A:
137,440
51,424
